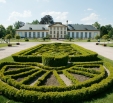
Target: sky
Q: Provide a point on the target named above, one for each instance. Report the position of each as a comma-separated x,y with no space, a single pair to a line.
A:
75,11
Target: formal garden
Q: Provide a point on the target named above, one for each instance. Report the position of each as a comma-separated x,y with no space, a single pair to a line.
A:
55,73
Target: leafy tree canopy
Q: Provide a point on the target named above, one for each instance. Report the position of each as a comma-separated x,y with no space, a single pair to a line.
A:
110,33
97,37
10,30
47,19
97,25
106,36
108,27
18,24
35,22
2,31
103,31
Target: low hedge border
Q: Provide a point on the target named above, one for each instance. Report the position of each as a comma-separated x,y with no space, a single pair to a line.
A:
30,77
24,73
42,78
58,78
17,70
86,70
71,77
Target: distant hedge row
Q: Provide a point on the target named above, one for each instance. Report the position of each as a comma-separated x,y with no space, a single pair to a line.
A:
27,55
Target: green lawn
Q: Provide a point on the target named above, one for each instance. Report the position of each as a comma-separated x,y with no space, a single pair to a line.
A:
8,59
110,44
5,44
83,40
6,100
30,40
106,97
22,40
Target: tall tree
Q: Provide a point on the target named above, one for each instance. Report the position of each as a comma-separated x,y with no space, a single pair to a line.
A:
2,31
97,25
47,19
103,31
35,22
110,33
18,24
10,30
108,27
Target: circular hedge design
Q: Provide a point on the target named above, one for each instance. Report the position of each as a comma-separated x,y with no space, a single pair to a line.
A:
55,59
54,75
16,81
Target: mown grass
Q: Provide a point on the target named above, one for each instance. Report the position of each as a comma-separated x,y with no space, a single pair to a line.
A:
83,40
110,44
30,40
7,59
6,100
5,44
106,97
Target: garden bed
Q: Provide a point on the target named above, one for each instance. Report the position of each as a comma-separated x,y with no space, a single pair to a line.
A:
51,81
81,78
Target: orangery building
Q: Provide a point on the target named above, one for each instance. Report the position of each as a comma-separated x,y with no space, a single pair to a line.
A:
57,30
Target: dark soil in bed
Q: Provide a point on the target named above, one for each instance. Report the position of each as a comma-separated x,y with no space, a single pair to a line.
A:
81,78
51,81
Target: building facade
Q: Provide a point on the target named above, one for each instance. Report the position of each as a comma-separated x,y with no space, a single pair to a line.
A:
58,30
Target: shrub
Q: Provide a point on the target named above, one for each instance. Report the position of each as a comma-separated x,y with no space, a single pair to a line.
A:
88,40
54,59
26,39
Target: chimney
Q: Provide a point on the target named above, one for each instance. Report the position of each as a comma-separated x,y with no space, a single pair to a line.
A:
67,22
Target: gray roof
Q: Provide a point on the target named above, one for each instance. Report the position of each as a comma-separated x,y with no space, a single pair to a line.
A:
34,27
45,27
80,27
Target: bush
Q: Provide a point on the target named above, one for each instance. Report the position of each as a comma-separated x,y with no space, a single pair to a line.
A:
88,40
54,59
26,39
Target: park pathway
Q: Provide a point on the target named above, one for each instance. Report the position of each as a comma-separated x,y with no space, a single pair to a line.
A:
101,50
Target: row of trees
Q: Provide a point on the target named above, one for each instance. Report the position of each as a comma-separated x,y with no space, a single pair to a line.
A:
104,30
47,19
11,29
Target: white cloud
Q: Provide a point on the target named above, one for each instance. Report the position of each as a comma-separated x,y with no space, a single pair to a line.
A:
91,18
15,15
89,9
57,16
2,1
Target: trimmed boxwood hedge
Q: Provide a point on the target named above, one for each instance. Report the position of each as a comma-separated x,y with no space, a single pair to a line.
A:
75,53
58,97
54,94
55,59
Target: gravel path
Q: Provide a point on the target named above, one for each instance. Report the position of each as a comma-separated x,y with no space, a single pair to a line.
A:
108,73
34,81
65,79
101,50
8,51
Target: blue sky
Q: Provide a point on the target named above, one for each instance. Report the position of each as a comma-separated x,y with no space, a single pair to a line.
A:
75,11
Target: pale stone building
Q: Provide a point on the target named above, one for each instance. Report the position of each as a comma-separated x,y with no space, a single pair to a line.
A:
58,30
